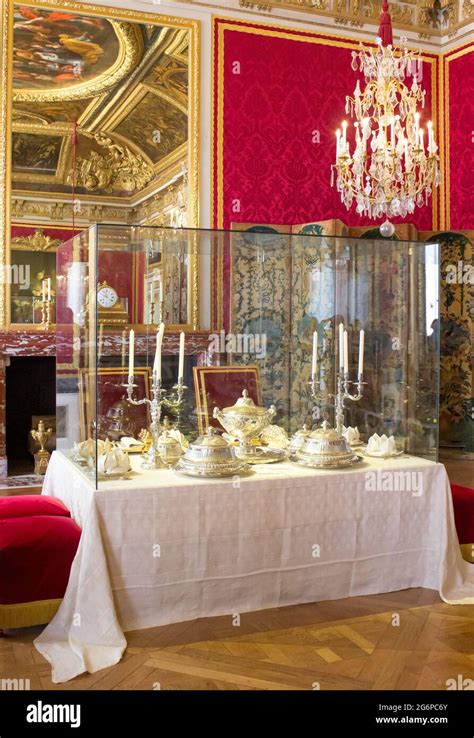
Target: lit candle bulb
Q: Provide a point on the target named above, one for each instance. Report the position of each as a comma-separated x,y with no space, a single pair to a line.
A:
344,133
181,358
315,355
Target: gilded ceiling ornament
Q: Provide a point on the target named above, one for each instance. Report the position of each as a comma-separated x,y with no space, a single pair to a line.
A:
119,169
37,241
468,8
437,14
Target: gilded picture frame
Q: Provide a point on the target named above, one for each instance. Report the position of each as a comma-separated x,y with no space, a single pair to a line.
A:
119,17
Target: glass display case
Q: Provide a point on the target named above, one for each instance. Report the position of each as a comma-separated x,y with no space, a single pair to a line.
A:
327,330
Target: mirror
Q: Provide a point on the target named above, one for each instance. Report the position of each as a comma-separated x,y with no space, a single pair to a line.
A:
102,114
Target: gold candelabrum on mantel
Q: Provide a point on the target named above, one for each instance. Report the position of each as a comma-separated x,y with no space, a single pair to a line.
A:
41,436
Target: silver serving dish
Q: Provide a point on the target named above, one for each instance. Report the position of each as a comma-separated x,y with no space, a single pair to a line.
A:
325,448
297,439
211,456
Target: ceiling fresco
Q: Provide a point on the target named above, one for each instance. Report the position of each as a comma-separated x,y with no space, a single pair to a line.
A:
125,85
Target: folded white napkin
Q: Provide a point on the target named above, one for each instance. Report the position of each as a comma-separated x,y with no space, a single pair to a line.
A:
178,436
381,445
351,434
86,449
113,461
129,442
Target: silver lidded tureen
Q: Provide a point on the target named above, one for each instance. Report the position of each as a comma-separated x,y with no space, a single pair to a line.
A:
325,448
210,456
245,421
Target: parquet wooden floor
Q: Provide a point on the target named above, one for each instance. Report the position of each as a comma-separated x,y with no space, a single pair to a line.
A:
353,644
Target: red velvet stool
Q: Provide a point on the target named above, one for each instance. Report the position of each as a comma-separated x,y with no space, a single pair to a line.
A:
463,502
38,542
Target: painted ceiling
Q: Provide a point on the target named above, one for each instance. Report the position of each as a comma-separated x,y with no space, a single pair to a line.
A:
124,84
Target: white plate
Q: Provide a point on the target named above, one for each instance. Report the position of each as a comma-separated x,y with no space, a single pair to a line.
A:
381,455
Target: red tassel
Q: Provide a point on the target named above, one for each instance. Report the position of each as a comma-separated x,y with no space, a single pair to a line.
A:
385,27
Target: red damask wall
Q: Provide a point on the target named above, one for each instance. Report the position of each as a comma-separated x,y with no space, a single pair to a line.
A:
279,96
459,135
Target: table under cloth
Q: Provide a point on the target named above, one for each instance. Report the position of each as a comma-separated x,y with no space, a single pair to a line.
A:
161,548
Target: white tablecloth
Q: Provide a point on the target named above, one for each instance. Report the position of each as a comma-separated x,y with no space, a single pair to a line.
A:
162,548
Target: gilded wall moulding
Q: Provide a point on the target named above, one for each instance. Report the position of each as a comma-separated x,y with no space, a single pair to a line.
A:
427,18
37,241
60,212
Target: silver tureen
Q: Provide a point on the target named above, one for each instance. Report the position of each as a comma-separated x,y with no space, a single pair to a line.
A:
211,456
327,449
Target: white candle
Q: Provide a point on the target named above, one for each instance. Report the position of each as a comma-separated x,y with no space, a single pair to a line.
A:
101,339
49,288
131,353
430,137
157,361
344,132
361,351
417,125
341,347
181,357
124,339
43,288
346,353
315,355
338,143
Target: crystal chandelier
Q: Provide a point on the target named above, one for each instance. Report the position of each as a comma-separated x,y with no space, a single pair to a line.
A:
390,171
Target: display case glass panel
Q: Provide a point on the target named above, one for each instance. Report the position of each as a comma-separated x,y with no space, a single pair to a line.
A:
278,296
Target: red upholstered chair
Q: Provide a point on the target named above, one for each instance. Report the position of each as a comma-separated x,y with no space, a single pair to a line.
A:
463,502
38,542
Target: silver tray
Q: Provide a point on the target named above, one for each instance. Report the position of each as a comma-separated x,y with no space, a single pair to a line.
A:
190,470
314,463
264,455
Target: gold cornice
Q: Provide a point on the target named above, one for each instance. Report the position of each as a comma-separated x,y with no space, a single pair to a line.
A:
408,14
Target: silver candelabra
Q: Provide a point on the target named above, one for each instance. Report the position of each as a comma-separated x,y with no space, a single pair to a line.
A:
342,394
152,459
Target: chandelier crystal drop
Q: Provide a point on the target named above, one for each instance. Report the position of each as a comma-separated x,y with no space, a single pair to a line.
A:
393,167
